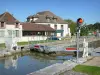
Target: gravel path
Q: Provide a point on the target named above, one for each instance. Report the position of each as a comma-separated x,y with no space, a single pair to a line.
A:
72,73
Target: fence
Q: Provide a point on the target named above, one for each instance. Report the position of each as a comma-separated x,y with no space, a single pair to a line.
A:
26,38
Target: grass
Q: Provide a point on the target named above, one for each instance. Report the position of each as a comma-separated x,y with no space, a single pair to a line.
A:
35,42
90,70
2,45
30,42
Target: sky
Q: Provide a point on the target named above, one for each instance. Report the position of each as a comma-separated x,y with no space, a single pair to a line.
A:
89,10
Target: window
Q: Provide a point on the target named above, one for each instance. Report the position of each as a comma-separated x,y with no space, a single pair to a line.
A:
2,33
62,27
55,26
9,33
48,19
55,19
28,19
49,25
17,25
2,24
17,33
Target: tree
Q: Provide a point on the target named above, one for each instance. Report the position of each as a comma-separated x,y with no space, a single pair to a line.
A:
72,25
84,31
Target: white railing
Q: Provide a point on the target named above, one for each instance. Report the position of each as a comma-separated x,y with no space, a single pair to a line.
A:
26,38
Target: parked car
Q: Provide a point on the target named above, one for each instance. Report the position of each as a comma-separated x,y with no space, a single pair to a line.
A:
39,48
53,38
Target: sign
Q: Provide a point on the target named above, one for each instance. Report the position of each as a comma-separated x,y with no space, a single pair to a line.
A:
71,49
79,21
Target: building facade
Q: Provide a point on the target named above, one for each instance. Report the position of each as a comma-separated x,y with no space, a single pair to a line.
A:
9,27
38,27
50,19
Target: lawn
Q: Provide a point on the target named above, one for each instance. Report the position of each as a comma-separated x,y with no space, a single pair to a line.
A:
2,45
90,70
35,42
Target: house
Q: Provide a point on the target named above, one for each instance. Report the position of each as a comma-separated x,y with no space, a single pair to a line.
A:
9,27
36,32
50,19
22,31
38,27
32,29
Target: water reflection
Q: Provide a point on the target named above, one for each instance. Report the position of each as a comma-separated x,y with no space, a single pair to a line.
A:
24,63
11,62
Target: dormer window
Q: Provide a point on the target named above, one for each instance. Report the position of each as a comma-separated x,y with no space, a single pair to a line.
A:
55,19
49,25
17,25
48,18
2,24
28,19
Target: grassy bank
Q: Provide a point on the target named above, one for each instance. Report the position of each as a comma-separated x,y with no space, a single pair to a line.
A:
90,70
30,42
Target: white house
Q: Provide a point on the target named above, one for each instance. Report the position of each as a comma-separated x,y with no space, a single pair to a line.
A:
9,27
37,27
50,19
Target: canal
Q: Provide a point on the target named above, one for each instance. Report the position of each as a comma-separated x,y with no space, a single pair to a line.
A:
27,62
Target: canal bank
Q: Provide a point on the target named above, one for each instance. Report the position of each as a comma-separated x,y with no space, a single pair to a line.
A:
66,67
58,68
5,52
30,62
26,62
58,47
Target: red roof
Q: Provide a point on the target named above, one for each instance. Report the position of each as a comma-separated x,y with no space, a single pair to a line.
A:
35,27
8,18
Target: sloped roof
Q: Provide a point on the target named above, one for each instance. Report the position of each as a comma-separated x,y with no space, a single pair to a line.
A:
42,17
35,27
8,18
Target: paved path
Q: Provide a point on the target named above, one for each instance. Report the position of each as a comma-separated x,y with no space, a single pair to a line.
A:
58,68
94,62
72,73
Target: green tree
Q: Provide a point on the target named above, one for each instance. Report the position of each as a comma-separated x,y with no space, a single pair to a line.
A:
84,31
72,25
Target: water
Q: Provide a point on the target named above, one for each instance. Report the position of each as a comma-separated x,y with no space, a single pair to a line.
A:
25,63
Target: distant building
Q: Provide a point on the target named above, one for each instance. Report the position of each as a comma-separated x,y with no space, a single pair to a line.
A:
50,19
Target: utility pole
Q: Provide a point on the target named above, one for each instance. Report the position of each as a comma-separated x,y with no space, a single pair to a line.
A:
79,23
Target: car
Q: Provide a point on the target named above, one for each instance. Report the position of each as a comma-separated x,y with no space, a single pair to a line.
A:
53,38
39,48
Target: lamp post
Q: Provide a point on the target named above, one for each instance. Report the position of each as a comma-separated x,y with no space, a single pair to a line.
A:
79,23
